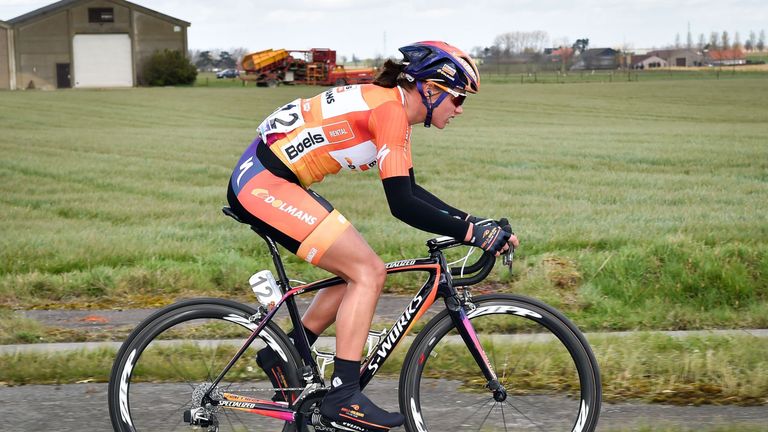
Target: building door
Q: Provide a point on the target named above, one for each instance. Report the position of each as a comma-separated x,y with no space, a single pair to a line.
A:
103,60
63,77
680,61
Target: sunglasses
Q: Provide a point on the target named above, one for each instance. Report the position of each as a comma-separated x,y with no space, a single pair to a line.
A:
457,97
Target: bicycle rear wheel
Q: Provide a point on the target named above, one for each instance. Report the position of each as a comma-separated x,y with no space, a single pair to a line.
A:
542,360
171,359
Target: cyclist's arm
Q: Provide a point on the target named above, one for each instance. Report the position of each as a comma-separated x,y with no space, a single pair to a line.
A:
392,132
418,213
436,202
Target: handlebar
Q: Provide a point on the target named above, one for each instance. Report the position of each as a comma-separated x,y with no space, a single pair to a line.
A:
478,270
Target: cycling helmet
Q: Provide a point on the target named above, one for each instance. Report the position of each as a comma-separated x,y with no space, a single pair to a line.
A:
443,63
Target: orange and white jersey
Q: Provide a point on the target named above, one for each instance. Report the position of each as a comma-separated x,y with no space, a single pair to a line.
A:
352,127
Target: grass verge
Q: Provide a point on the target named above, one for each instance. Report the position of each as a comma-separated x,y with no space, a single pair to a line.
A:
648,367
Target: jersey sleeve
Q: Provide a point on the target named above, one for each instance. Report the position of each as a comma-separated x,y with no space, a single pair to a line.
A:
392,136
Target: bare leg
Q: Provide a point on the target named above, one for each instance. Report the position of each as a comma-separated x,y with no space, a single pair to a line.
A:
351,258
322,311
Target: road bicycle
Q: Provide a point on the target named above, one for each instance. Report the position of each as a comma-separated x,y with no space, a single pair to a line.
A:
493,362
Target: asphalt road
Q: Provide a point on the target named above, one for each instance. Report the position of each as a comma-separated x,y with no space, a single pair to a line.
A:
83,408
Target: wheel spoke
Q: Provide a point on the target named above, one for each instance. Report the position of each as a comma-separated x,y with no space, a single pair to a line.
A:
486,417
531,365
522,414
171,374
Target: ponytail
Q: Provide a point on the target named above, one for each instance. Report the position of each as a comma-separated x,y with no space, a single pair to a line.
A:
391,75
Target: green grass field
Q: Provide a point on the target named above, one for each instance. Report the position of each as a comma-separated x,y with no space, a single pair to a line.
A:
639,205
530,74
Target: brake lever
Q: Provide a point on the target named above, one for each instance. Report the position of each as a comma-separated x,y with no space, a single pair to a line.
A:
508,257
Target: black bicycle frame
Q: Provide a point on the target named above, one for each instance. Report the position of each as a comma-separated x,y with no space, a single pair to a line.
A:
439,284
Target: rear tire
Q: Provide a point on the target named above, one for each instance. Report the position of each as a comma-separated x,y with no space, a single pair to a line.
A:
167,361
545,364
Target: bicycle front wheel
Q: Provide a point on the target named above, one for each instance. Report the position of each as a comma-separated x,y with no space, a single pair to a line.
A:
170,361
544,363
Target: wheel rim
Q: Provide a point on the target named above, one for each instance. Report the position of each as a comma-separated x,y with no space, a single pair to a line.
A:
543,385
161,380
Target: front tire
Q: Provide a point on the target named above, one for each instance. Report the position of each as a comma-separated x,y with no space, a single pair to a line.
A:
169,360
543,361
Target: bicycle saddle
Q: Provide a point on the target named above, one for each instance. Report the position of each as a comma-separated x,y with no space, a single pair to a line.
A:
229,212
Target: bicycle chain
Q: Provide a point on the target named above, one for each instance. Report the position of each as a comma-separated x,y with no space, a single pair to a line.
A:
273,390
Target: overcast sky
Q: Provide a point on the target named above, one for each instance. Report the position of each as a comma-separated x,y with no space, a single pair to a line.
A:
368,28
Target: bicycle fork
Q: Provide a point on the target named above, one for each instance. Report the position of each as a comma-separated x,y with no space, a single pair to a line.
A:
468,334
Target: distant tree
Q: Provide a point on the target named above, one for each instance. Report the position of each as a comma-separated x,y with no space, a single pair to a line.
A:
520,42
702,41
204,60
726,39
760,45
355,60
737,41
677,41
580,45
504,44
167,68
751,42
238,54
714,40
226,61
477,52
689,40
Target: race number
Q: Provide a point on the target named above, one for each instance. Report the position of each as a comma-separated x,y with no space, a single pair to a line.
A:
264,286
284,120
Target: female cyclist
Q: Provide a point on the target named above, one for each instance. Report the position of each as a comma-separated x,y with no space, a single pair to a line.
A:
358,128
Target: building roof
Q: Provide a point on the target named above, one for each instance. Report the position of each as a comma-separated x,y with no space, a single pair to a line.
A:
64,4
637,59
640,58
729,54
3,24
597,52
673,52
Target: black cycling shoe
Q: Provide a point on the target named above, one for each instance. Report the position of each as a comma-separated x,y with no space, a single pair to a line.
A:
346,408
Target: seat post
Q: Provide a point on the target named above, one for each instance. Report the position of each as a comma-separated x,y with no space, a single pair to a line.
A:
275,259
301,342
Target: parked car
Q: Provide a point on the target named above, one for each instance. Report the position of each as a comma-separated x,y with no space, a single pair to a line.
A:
228,73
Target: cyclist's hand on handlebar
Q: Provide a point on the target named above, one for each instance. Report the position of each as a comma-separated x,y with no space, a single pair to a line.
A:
503,223
513,241
489,237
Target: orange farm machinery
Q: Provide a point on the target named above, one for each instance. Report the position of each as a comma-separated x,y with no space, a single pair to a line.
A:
315,67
